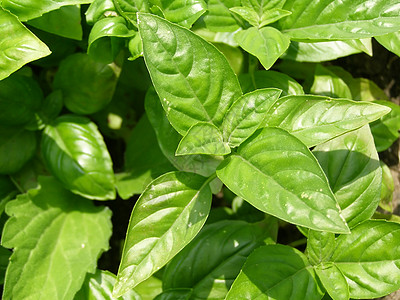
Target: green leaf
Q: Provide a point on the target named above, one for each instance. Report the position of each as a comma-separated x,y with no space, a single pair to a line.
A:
246,115
260,17
99,286
144,160
30,9
175,294
149,288
276,272
203,138
386,129
369,259
65,21
18,46
277,174
317,119
326,83
99,9
387,188
267,44
390,41
219,18
20,98
331,20
224,246
135,47
168,140
320,246
106,38
129,8
351,164
192,88
57,237
4,261
167,216
76,154
87,85
17,147
270,79
333,281
7,192
273,15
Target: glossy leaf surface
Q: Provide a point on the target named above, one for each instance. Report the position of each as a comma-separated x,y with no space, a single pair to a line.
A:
57,237
192,78
203,138
369,259
167,216
87,85
20,98
98,9
260,15
286,180
351,164
225,246
390,41
333,281
246,115
267,44
18,45
320,246
316,119
168,140
276,272
348,19
219,18
329,84
30,9
75,153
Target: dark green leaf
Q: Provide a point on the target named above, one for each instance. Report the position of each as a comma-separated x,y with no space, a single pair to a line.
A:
369,259
351,164
332,20
277,174
317,119
333,281
390,41
87,85
4,261
328,84
192,78
224,246
75,153
320,246
203,138
57,237
167,216
276,272
267,44
18,46
135,47
219,18
65,21
246,115
175,294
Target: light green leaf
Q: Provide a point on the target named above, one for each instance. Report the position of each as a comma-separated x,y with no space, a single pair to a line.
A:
149,288
30,9
246,115
333,20
327,83
219,18
144,161
167,216
351,164
106,38
387,188
267,44
276,272
168,140
99,286
270,79
317,119
20,98
386,129
192,78
333,281
234,55
57,237
87,85
277,174
65,21
99,9
203,138
18,46
390,41
320,246
261,17
369,259
224,246
247,13
129,8
135,47
75,152
273,15
17,147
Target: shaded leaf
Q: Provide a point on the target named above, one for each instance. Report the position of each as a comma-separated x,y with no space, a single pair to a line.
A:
390,41
175,294
286,180
4,261
57,237
387,188
219,18
320,246
329,84
167,216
